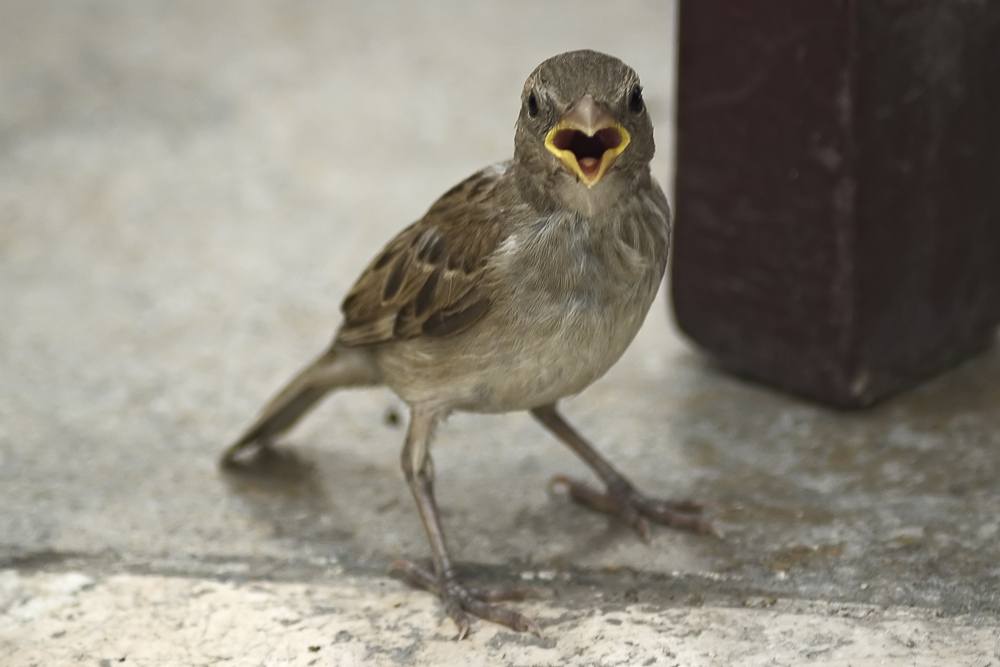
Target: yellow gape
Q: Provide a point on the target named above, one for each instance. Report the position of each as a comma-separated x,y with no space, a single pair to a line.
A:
588,152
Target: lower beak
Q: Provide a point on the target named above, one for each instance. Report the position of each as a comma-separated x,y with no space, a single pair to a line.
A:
587,140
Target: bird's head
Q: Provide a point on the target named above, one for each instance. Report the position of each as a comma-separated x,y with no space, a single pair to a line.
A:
583,130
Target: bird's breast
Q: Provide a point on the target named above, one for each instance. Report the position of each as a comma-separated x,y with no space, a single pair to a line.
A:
570,264
576,298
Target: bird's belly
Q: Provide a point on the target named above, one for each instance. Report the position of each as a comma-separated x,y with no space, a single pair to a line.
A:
543,369
511,365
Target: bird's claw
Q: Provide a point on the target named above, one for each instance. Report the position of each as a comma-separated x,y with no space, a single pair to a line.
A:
636,510
458,600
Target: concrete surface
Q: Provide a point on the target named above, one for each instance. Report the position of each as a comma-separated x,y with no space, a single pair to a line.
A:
72,618
187,189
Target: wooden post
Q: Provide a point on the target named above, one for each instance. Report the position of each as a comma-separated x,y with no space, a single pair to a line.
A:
838,189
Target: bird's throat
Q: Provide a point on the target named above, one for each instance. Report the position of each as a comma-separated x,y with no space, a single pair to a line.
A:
590,201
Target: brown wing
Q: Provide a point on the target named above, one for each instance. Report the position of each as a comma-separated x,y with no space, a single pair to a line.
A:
428,280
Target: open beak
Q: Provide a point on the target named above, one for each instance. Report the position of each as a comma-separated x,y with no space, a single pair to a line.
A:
587,140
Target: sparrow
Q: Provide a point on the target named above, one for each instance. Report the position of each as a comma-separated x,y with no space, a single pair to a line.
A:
521,285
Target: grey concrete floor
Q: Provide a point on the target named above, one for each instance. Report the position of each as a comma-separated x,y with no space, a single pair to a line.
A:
187,189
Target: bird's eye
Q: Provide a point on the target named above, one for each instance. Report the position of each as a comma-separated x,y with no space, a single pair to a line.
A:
532,105
635,104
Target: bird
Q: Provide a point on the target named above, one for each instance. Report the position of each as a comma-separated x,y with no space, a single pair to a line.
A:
521,285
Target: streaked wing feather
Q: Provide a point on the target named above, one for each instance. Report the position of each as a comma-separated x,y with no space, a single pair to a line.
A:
428,280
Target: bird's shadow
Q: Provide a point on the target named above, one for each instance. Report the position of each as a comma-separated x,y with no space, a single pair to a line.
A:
284,490
280,470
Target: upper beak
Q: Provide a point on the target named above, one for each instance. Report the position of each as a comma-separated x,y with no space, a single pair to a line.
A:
587,140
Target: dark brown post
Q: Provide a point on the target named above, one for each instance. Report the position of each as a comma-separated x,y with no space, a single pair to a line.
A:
838,189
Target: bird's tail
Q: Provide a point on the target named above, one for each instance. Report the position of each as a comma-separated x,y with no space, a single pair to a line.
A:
338,367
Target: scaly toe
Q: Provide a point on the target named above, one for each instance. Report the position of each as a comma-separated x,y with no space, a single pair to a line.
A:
458,600
636,510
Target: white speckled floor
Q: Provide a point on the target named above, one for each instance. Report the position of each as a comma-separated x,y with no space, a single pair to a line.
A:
163,621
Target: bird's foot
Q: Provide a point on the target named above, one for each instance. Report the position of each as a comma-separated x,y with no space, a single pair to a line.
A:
458,600
636,510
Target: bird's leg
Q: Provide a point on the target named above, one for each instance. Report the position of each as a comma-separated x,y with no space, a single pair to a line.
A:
620,498
419,471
